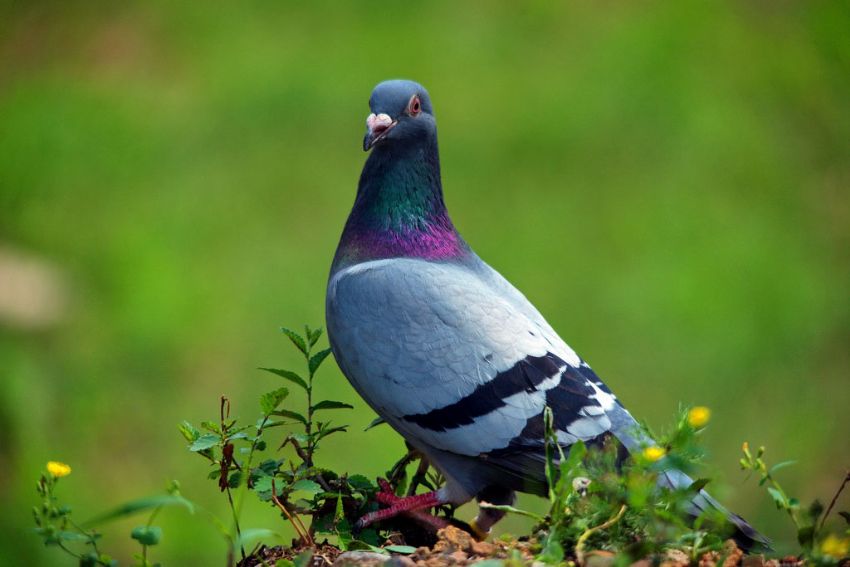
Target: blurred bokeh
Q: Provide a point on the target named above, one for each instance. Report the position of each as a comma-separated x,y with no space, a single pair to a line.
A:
668,183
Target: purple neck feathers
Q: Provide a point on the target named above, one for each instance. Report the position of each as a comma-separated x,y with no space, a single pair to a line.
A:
399,211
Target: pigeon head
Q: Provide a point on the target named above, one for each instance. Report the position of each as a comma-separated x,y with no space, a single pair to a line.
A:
401,116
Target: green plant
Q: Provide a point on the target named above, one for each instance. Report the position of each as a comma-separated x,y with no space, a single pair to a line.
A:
292,482
57,528
809,521
600,500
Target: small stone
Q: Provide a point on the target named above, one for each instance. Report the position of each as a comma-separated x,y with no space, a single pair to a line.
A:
360,559
400,561
752,561
599,558
483,548
455,538
675,558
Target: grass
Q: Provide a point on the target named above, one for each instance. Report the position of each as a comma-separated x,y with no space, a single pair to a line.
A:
598,501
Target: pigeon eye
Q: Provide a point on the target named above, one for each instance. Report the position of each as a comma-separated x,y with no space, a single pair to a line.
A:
414,107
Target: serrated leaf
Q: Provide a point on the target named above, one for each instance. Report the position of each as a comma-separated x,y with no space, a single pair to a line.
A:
264,484
291,415
317,359
288,375
270,400
296,339
360,482
375,423
403,549
141,505
147,535
307,485
205,441
331,404
312,335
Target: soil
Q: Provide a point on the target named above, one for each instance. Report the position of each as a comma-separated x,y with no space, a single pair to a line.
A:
455,547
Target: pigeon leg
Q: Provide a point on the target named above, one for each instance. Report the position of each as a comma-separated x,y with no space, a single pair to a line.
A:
408,504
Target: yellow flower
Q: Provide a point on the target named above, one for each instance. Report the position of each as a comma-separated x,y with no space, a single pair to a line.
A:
57,469
835,546
698,416
652,454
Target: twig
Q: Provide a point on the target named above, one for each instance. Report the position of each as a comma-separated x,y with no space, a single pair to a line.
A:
589,531
235,521
303,533
299,450
418,476
834,499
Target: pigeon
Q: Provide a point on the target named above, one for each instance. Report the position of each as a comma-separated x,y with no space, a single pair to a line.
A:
444,348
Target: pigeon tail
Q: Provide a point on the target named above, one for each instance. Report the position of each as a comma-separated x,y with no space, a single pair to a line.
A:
745,536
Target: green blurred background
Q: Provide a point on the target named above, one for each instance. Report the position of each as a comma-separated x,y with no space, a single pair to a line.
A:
667,182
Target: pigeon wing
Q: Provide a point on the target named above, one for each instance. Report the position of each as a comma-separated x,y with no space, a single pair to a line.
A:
456,359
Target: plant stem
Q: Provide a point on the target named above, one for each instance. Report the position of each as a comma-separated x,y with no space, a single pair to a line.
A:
834,500
235,521
302,531
589,531
309,427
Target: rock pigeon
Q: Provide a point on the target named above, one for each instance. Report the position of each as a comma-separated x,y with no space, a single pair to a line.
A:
444,348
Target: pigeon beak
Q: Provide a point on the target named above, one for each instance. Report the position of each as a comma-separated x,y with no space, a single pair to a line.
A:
377,128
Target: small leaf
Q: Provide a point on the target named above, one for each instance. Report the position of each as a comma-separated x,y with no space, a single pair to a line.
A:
296,339
375,422
781,465
211,426
815,510
253,534
291,415
317,359
510,509
846,516
325,432
307,485
147,535
205,441
70,536
141,505
270,400
778,498
698,484
404,549
188,431
288,375
330,404
303,559
360,482
805,536
313,335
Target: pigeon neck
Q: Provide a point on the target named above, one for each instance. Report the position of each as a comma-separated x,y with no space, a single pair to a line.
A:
399,210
